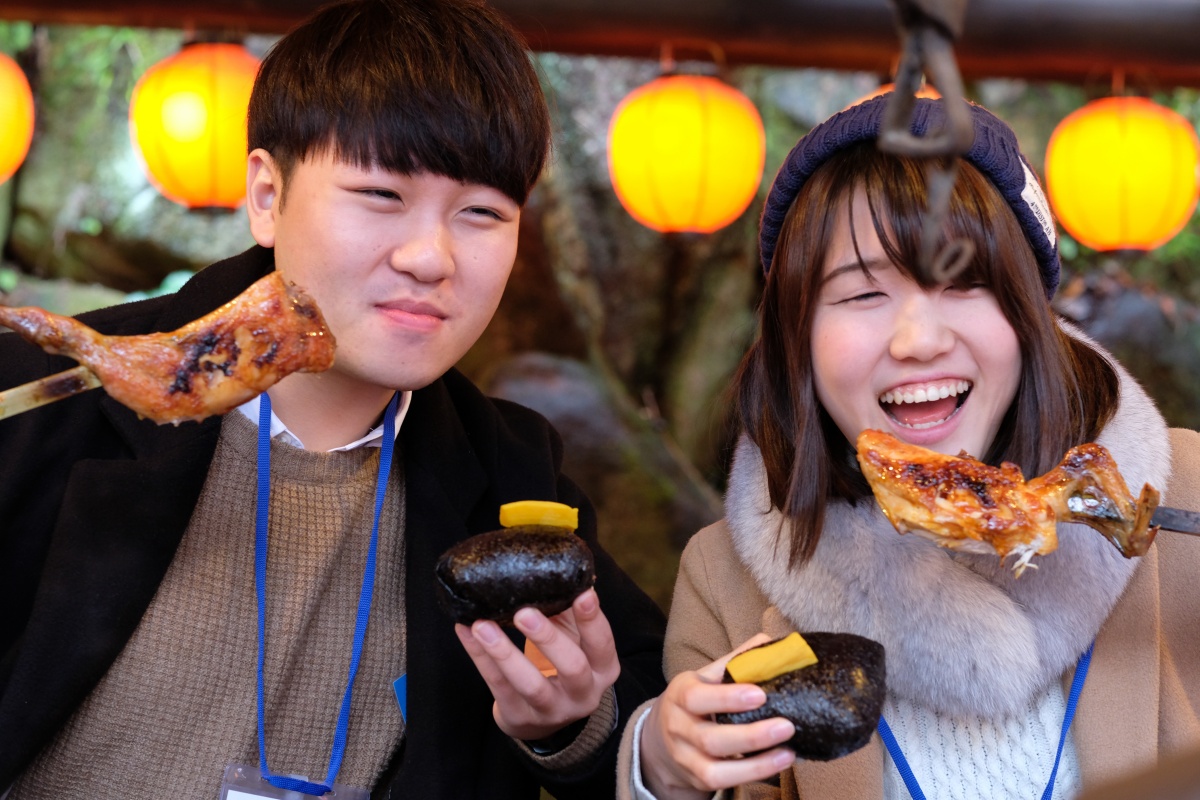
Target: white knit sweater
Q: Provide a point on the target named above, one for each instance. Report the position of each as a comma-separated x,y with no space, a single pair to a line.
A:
965,758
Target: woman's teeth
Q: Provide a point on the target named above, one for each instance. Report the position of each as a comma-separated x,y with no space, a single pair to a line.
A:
925,393
920,407
920,426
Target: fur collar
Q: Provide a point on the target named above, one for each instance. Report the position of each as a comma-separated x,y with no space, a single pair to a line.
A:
962,635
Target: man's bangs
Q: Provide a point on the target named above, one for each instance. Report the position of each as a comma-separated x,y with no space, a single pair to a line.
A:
408,87
436,140
445,127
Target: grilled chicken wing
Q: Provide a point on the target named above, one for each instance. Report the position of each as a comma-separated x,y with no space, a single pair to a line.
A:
207,367
964,504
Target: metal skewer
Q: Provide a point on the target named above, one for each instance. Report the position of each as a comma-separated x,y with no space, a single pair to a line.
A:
1176,519
46,390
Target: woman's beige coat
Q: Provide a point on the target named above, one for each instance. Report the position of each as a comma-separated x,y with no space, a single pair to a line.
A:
1141,700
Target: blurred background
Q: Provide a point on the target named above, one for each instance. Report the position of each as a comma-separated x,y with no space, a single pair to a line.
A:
625,335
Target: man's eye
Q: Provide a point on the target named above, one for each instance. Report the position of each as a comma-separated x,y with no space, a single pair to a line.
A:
484,211
385,194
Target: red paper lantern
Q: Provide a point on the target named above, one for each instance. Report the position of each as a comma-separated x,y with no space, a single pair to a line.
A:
187,118
16,111
1122,173
686,153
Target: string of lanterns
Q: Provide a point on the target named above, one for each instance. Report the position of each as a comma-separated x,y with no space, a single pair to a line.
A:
685,152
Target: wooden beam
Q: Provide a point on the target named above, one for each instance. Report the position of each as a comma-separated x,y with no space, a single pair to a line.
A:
1082,41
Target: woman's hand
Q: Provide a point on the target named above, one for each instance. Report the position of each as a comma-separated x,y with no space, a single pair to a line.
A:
684,754
578,644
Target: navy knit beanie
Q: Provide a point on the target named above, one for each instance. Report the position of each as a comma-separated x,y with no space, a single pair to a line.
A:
994,153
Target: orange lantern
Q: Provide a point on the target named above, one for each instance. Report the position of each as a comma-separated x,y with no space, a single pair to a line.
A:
187,118
16,111
1122,173
686,153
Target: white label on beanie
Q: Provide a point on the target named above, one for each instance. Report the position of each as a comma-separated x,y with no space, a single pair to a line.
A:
1035,198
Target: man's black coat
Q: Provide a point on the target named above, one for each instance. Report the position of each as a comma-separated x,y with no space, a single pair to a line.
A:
94,502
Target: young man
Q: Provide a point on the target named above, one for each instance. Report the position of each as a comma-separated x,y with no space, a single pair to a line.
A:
393,144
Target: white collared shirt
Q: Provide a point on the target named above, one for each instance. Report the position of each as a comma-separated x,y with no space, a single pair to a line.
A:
373,438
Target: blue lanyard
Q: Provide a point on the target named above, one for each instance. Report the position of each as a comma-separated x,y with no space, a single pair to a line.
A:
364,598
910,780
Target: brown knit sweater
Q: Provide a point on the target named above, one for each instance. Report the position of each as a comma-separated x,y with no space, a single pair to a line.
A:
179,703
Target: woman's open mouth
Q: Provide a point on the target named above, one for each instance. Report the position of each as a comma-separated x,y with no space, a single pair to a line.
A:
921,406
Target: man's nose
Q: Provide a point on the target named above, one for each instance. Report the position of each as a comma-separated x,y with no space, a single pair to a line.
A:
425,252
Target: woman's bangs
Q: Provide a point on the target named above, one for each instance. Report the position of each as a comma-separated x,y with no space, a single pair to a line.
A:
897,194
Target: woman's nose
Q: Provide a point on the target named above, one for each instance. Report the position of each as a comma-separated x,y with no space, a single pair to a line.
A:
921,331
425,252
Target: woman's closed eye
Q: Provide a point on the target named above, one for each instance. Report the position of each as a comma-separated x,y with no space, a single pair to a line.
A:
484,211
863,297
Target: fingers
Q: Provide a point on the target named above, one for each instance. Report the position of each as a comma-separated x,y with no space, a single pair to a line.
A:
713,775
556,644
579,642
702,699
474,645
529,703
683,748
595,634
508,673
719,741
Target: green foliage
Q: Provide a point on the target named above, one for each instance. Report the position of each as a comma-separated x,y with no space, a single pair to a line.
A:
15,37
87,69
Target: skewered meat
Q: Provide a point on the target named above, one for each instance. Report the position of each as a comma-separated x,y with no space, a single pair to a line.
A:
1086,487
964,504
208,366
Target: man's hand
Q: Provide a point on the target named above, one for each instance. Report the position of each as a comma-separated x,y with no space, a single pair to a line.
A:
578,643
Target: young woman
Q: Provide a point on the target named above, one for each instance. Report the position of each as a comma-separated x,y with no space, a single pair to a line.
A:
979,662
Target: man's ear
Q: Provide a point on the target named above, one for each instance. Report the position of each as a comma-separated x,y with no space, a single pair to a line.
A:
264,189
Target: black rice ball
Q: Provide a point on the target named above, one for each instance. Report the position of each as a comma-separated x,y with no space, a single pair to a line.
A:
835,704
493,575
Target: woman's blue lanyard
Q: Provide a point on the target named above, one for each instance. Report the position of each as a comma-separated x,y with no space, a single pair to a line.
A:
364,598
910,780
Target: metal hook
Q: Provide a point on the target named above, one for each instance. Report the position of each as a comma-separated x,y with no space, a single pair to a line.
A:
667,62
927,51
946,264
927,29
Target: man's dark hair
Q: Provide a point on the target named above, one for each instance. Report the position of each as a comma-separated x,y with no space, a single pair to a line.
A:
438,86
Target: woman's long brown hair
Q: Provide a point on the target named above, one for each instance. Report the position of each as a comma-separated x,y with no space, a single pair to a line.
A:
1067,390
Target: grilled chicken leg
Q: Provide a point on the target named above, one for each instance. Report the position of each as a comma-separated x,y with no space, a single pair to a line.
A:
964,504
1086,487
208,366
